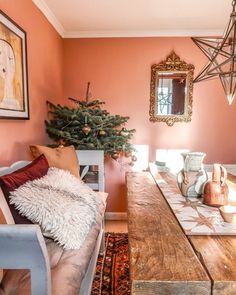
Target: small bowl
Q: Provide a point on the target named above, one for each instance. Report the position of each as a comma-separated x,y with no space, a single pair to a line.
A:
228,213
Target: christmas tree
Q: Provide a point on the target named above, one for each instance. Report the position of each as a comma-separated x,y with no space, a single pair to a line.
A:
89,127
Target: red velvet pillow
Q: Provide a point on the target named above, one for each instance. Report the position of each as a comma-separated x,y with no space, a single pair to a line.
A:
9,182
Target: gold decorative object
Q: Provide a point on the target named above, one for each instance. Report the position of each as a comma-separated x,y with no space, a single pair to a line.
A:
171,91
115,156
124,132
61,143
102,132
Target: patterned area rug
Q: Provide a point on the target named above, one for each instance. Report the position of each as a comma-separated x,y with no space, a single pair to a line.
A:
112,273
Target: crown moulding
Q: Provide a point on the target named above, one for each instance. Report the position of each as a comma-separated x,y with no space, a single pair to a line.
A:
130,34
50,16
118,34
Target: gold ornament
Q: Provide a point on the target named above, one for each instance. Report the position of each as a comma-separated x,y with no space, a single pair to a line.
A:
102,132
61,143
115,156
86,129
124,132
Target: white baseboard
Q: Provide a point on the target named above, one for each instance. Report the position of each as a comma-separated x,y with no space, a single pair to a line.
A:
115,216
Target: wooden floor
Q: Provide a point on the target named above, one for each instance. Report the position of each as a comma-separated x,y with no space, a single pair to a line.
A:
118,226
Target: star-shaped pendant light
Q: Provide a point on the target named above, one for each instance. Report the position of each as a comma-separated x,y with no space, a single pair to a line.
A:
222,57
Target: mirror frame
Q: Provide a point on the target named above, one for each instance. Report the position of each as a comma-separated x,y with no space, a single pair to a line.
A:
172,64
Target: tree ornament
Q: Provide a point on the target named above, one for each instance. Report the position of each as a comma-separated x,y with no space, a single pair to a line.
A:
134,158
115,156
86,129
61,143
124,132
102,132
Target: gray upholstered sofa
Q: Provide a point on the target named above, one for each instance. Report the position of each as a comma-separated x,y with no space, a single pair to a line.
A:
36,265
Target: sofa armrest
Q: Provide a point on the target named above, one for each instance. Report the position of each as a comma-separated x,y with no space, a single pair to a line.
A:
23,247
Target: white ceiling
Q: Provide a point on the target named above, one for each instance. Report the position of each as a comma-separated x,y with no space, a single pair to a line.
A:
131,18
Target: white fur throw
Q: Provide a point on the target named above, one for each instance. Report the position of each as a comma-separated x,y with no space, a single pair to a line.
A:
62,205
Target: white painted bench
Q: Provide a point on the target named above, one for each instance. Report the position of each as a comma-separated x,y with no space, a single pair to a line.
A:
23,246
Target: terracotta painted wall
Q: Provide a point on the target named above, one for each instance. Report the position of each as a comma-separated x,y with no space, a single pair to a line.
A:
119,72
45,56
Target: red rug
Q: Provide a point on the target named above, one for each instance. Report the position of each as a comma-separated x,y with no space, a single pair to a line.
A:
112,273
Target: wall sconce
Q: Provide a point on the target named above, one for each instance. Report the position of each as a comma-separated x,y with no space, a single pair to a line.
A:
221,53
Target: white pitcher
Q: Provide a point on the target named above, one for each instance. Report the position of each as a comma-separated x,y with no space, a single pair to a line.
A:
193,161
192,177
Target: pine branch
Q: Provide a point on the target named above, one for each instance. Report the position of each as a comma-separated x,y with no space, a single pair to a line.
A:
107,131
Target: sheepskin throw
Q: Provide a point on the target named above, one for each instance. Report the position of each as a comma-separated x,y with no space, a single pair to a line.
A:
62,205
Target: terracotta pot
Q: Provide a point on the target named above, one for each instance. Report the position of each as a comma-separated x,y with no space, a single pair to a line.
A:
216,191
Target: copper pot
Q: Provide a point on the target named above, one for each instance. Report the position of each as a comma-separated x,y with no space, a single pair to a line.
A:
216,191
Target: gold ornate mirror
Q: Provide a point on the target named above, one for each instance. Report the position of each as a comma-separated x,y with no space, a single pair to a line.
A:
171,91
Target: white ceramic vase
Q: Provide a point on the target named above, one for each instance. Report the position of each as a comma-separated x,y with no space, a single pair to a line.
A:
192,177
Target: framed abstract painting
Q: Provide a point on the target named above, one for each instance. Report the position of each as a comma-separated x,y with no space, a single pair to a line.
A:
14,100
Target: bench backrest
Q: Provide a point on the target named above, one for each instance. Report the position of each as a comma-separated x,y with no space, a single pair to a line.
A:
86,158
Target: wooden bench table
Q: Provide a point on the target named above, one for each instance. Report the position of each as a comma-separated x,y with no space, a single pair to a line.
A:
163,260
